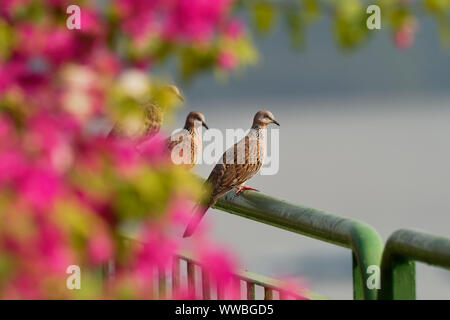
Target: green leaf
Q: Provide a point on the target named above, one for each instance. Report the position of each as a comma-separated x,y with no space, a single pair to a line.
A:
263,16
437,7
295,25
311,10
6,40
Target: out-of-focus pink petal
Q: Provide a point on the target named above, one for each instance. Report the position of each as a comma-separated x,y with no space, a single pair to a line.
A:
226,60
100,248
157,252
40,187
404,36
234,29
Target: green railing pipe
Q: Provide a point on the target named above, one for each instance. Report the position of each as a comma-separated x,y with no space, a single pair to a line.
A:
363,240
403,248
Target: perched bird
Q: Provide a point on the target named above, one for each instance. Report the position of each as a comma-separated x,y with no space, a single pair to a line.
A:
153,113
186,146
238,164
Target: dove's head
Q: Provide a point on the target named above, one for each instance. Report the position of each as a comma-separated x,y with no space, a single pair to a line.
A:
195,119
263,118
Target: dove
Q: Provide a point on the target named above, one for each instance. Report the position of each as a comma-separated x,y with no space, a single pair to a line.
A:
238,164
186,146
153,117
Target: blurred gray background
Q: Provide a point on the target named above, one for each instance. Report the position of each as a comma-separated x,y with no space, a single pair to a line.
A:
363,134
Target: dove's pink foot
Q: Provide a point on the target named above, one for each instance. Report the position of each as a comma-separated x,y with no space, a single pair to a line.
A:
243,188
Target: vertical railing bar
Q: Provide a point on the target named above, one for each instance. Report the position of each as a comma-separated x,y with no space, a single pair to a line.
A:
268,293
191,277
175,275
161,283
206,288
276,295
237,282
108,269
250,291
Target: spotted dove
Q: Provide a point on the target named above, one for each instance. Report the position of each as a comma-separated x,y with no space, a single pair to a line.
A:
151,123
238,164
187,141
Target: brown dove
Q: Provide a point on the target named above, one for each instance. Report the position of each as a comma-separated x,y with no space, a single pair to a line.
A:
186,146
238,164
151,123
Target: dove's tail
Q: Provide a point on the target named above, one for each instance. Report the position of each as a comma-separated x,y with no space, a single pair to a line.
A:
198,213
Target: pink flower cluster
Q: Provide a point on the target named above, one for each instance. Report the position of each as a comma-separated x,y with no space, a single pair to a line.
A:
65,189
180,20
405,34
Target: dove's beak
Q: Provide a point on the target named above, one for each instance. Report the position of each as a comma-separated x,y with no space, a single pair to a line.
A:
204,124
276,122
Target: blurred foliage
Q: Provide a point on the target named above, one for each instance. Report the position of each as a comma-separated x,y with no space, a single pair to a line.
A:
66,189
348,18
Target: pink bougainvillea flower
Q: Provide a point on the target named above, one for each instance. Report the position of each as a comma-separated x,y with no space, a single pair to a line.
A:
91,22
12,165
52,134
59,45
180,211
404,36
32,38
22,286
195,20
292,289
100,206
40,187
137,16
52,248
105,62
154,149
220,266
157,251
226,60
56,84
124,154
28,73
234,29
217,262
9,6
100,248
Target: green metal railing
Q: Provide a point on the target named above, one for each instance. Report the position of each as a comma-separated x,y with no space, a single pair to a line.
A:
363,240
185,272
403,248
271,289
396,261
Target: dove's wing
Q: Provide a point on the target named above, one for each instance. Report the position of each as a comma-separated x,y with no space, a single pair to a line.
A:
188,147
148,127
173,141
239,163
153,120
